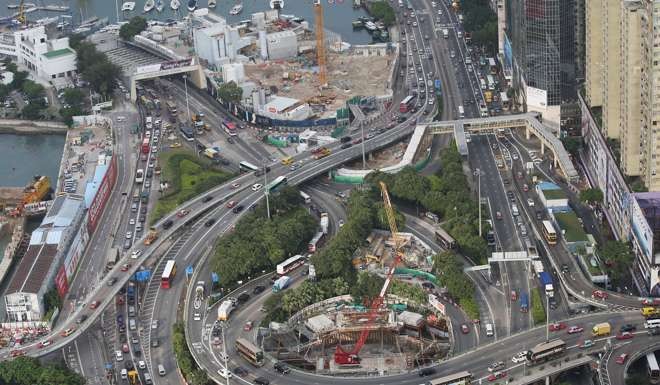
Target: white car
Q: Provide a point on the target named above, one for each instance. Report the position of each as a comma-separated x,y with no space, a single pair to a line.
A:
224,373
131,221
119,356
430,102
197,317
257,186
530,202
121,119
129,235
520,357
154,324
142,365
515,156
154,148
135,254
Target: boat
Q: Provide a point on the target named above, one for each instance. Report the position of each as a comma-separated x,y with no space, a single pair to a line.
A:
236,9
149,5
370,26
128,6
358,24
175,4
192,5
159,5
63,25
212,3
276,4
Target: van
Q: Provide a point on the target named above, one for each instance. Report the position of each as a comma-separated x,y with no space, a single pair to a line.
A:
131,324
489,330
136,196
134,207
147,378
131,311
514,210
124,374
161,370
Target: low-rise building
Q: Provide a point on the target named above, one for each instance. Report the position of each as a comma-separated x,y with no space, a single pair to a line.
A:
218,42
552,196
280,107
282,45
51,60
37,270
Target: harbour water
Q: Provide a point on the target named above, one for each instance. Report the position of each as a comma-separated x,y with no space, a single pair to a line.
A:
338,15
23,156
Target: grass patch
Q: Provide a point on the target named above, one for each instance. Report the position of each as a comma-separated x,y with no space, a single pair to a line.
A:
188,176
593,270
538,312
572,227
554,194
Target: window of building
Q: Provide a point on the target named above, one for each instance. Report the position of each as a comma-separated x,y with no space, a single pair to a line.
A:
52,76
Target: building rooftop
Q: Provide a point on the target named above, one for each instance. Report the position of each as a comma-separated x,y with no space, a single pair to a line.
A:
548,186
58,53
33,268
280,103
648,200
94,184
554,194
571,226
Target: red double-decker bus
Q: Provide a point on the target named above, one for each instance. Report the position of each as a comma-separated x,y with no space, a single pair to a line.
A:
168,274
145,146
230,128
406,104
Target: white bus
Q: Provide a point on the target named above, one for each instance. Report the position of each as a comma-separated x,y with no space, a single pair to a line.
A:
305,197
654,370
139,176
247,167
290,264
461,112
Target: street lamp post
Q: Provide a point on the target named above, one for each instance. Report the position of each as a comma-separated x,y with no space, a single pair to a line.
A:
364,158
224,354
547,318
185,85
479,197
266,189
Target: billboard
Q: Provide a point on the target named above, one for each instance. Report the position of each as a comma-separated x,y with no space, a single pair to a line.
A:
439,306
654,291
61,282
536,97
641,230
98,204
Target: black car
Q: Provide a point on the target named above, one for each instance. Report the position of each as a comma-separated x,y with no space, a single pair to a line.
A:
240,371
210,222
128,364
345,139
112,281
281,367
142,218
168,224
243,297
426,372
261,381
654,332
539,215
238,209
564,268
346,145
258,289
207,198
143,209
627,328
155,343
81,319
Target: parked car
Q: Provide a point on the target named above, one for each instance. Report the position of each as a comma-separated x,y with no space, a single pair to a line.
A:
600,294
557,326
575,329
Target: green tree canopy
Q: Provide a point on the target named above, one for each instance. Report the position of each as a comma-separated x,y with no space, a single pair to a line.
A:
28,371
230,92
383,11
572,144
96,68
591,195
135,26
618,257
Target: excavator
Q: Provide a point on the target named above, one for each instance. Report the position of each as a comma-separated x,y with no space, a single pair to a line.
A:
351,357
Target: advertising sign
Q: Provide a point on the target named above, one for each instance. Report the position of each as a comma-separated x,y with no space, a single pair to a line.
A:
537,97
655,282
147,69
98,204
61,282
175,64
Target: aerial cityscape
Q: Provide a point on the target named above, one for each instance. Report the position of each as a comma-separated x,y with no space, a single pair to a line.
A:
376,192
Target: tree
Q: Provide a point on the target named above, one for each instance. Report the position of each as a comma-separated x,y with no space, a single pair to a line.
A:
134,27
73,96
383,11
32,111
572,144
33,90
591,195
230,92
366,287
75,39
28,371
618,258
19,78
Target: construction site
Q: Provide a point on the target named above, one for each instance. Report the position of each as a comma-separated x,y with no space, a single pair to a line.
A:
378,336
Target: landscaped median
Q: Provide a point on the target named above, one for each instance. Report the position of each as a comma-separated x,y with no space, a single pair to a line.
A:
538,312
187,176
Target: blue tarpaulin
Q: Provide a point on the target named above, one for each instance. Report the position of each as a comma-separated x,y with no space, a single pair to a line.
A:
215,278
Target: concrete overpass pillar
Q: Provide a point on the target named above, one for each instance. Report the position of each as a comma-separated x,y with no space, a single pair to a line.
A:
527,133
198,78
542,147
555,159
133,90
547,380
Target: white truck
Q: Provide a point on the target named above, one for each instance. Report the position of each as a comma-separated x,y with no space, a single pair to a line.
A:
325,221
199,295
445,33
311,274
226,307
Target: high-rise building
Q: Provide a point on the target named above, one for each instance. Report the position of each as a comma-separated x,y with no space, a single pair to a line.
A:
621,76
541,36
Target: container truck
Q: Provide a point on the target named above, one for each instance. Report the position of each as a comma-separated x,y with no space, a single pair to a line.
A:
524,303
112,258
546,283
324,223
281,283
224,310
601,329
311,273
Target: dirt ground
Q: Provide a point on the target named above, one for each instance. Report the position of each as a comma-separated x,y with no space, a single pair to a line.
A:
348,76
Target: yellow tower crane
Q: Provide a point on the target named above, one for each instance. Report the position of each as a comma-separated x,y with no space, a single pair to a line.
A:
21,13
320,44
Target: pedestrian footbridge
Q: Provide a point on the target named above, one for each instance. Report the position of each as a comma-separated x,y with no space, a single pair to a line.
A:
528,121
